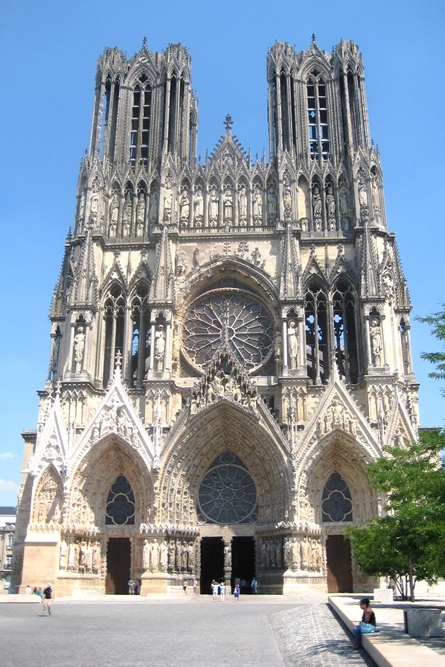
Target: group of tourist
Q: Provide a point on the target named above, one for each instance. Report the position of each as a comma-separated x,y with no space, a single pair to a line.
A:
46,596
134,587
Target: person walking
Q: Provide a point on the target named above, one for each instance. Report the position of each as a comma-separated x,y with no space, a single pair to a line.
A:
222,591
237,592
47,598
195,586
254,586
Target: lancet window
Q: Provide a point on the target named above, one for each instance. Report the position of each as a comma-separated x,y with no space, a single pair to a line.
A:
140,123
317,335
331,331
141,337
114,314
317,106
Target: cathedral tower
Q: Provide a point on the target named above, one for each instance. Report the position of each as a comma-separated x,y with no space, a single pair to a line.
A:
229,341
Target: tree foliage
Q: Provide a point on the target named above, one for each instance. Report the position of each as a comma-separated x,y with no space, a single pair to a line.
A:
437,323
408,543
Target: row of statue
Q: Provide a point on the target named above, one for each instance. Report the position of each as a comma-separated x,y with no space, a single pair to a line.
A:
168,555
242,206
81,555
303,553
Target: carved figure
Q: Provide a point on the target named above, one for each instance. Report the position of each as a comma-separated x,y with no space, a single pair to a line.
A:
140,212
168,198
292,341
271,205
181,263
198,207
79,348
184,207
160,348
242,205
228,204
154,205
376,343
127,215
316,202
257,205
213,207
145,555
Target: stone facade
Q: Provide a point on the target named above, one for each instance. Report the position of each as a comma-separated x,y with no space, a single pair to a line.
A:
230,340
7,533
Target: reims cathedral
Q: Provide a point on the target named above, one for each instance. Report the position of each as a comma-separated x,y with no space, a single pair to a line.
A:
229,343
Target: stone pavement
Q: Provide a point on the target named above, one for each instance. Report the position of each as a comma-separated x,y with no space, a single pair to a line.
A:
190,631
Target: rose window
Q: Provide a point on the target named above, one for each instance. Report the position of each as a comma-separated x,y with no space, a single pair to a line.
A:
227,493
234,319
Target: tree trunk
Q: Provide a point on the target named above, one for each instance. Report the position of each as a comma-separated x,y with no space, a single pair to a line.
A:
411,582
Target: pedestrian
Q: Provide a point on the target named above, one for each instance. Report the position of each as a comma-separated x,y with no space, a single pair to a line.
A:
236,592
184,586
131,587
140,586
195,586
136,587
47,598
214,590
254,586
222,591
366,625
28,590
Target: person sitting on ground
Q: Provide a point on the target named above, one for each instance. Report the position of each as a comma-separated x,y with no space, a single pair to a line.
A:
366,625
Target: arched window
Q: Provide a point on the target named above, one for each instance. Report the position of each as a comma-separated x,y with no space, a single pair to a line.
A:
336,502
114,314
120,508
317,334
317,106
345,335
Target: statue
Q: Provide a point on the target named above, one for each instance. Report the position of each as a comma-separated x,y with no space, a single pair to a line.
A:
184,207
257,205
114,214
292,341
198,208
168,198
79,348
330,202
228,204
181,263
287,203
376,343
316,202
127,215
213,207
242,206
145,555
160,348
271,205
153,210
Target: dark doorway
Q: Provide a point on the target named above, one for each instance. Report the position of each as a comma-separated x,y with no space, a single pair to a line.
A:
212,563
118,566
338,556
243,562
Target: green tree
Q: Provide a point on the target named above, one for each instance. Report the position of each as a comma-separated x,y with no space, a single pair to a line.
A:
408,544
437,323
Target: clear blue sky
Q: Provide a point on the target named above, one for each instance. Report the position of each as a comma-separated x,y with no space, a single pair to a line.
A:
48,56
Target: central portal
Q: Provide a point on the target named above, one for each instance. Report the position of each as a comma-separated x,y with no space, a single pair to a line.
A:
243,562
212,563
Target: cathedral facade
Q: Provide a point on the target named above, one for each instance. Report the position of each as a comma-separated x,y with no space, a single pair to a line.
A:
230,341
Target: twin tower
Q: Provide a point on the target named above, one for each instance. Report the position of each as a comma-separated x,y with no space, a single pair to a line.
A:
230,341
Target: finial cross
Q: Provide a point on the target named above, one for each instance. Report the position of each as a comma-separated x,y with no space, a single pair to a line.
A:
228,122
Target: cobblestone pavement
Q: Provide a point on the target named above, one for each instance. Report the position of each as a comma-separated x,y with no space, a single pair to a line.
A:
193,632
312,636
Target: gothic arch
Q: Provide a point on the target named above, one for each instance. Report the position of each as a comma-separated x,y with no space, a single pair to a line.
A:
340,453
223,426
48,497
93,478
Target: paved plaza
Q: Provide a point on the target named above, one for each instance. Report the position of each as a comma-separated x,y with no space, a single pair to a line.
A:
189,631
